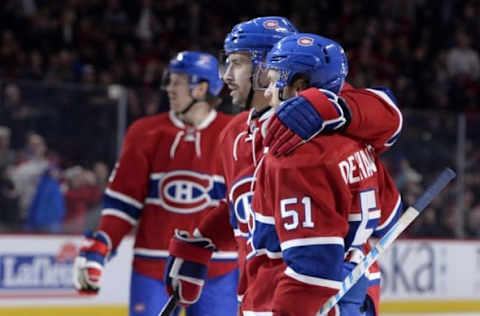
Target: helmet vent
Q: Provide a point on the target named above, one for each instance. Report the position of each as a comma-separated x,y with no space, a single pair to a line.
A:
327,58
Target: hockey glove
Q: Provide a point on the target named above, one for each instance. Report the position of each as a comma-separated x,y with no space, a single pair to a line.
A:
187,266
88,265
301,118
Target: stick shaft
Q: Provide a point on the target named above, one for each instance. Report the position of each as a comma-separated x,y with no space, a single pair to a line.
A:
169,306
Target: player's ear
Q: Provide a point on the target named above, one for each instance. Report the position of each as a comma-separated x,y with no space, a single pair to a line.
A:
299,85
200,90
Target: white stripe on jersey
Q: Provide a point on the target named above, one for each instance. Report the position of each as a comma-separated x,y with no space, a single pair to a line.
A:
265,219
251,313
226,255
238,233
313,280
269,254
215,177
392,214
119,214
358,217
160,202
311,241
151,252
124,198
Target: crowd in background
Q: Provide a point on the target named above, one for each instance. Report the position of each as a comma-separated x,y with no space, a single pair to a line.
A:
426,51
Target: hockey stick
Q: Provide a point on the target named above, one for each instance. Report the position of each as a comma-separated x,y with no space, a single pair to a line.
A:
408,216
170,305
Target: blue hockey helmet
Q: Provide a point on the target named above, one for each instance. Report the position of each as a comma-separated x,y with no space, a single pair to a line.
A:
257,36
321,59
200,67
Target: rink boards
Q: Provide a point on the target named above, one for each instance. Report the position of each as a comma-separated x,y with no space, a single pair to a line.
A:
417,276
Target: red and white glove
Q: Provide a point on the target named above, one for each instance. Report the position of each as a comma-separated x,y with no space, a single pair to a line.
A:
88,265
187,266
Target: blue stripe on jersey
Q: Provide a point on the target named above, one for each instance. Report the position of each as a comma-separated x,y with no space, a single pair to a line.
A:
321,261
265,237
114,203
393,219
153,188
216,193
233,218
353,228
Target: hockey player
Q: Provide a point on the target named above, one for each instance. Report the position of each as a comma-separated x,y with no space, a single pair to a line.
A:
166,178
313,211
246,47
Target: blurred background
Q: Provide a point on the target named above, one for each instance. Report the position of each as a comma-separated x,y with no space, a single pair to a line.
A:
74,74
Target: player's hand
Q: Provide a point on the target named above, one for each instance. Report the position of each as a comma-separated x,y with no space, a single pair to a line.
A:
299,119
187,266
88,265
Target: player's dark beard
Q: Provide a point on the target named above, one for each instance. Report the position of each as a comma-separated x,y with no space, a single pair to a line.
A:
248,103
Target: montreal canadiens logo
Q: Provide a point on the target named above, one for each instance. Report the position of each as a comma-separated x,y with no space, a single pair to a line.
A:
186,192
241,196
270,24
305,41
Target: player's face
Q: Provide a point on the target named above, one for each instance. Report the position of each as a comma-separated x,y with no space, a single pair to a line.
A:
272,92
178,90
238,77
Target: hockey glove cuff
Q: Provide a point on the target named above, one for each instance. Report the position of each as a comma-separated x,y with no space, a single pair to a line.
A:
88,265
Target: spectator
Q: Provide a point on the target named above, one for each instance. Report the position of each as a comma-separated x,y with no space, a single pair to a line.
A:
473,222
81,194
7,155
47,208
9,213
462,60
26,176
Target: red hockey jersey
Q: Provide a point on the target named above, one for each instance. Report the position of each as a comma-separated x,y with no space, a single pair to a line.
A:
311,210
166,179
241,150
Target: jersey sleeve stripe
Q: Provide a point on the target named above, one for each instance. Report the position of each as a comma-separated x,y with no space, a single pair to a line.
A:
113,203
300,242
313,280
320,261
119,214
124,198
393,214
391,101
265,238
